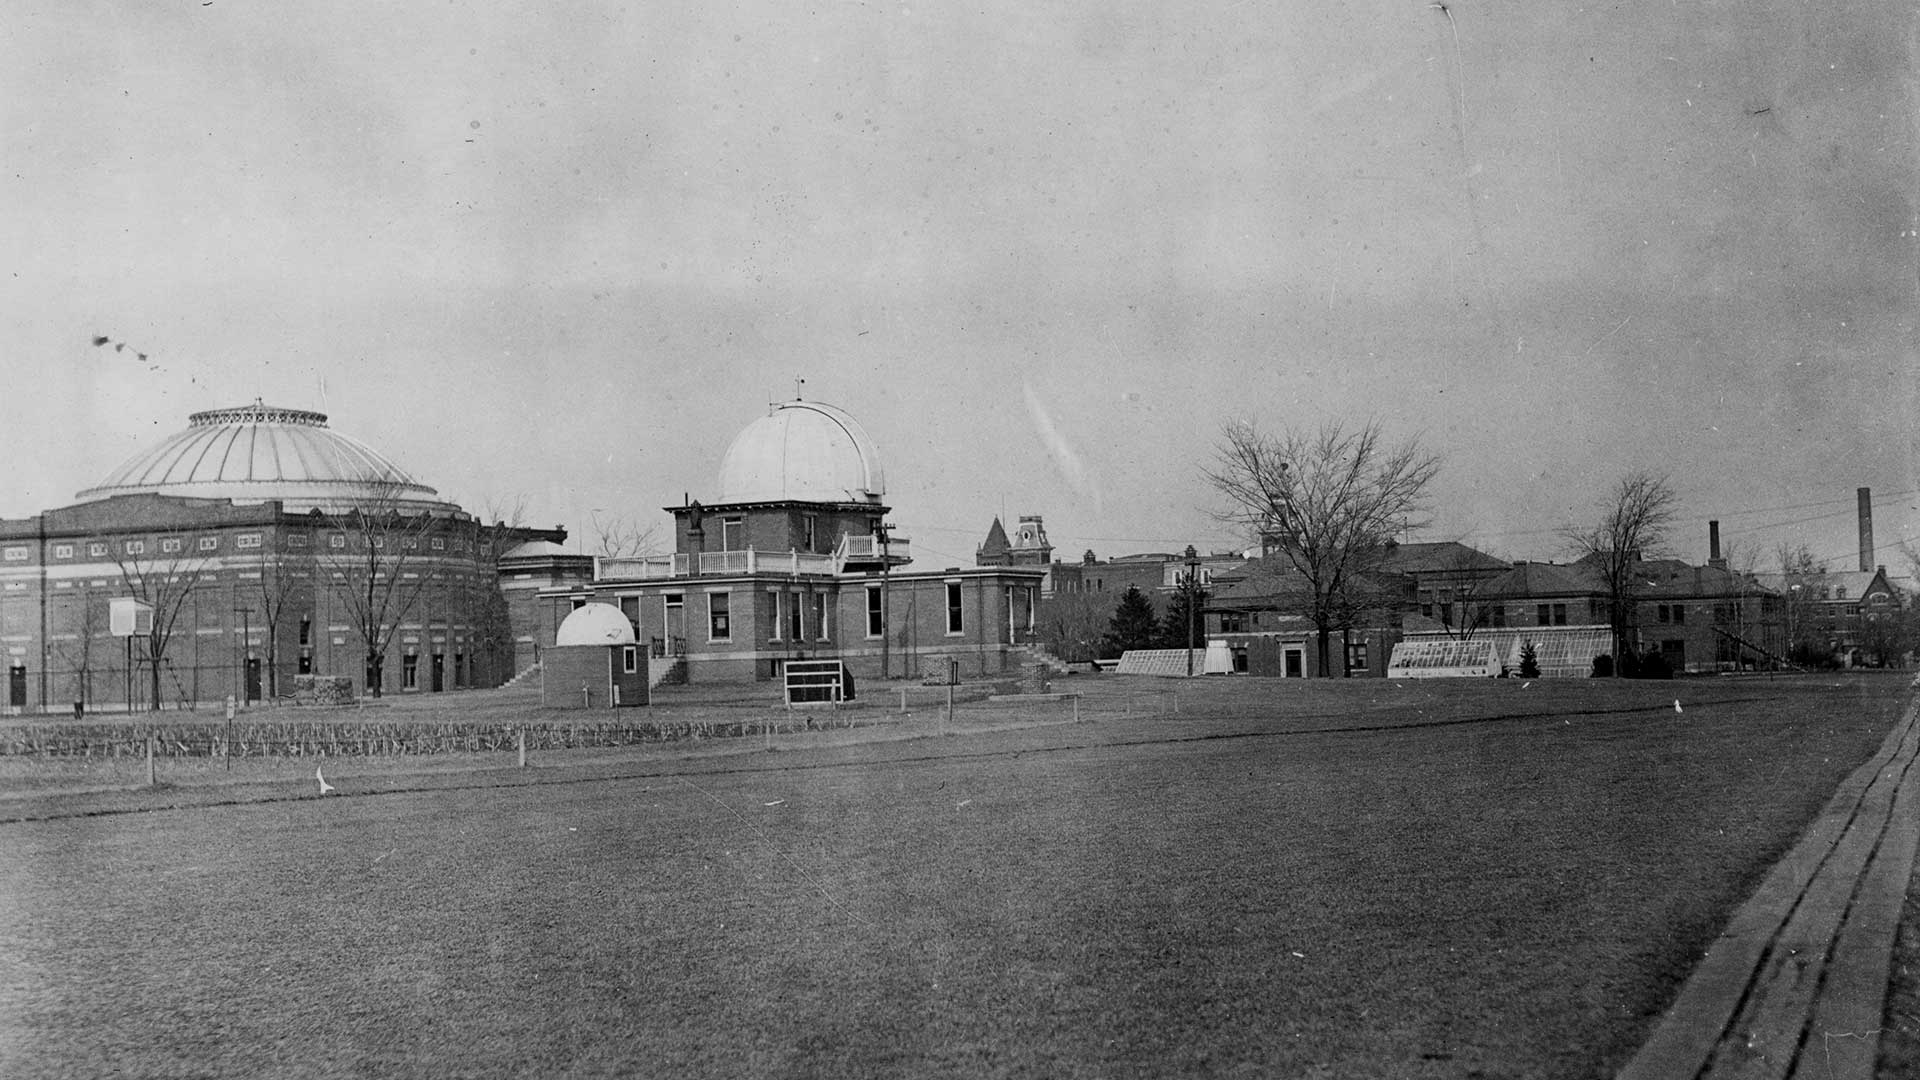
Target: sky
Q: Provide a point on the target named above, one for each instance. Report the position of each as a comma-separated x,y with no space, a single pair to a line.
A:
1043,251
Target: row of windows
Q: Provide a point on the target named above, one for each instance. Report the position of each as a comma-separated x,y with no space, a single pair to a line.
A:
793,613
174,545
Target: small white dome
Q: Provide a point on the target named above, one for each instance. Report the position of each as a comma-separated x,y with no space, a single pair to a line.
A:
594,624
802,451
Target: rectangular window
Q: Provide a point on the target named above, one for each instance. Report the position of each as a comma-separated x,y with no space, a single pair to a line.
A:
337,541
630,659
876,613
1542,615
247,540
136,547
97,550
1497,615
772,612
306,631
1559,614
439,543
16,554
630,607
719,621
733,534
170,545
306,665
63,551
1679,613
819,616
409,672
1660,614
1357,657
297,540
209,543
954,621
795,616
1233,622
808,524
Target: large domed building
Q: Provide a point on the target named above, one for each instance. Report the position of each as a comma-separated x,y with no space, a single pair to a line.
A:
258,453
264,546
793,560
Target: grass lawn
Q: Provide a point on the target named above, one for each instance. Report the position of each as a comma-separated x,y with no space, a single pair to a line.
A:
1361,879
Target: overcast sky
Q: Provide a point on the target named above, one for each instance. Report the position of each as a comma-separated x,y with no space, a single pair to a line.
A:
1043,251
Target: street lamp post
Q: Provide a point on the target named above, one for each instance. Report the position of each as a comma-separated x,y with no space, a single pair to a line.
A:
1193,594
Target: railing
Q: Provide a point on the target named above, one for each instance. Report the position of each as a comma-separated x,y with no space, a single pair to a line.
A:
869,549
759,562
647,566
655,567
665,647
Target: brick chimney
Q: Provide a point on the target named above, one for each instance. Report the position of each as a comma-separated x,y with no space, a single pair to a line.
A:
1866,529
1714,558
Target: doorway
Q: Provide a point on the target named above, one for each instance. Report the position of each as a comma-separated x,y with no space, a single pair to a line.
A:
253,678
17,686
1296,661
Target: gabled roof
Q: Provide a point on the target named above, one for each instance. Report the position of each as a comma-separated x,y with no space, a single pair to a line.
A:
1444,556
1262,583
1529,579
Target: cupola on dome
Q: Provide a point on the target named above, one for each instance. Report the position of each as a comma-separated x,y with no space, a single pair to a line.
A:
259,452
802,451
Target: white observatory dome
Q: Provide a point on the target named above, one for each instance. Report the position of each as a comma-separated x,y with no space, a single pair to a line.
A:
802,451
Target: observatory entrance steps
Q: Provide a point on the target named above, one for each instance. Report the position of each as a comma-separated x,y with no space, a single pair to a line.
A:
1038,654
528,676
666,671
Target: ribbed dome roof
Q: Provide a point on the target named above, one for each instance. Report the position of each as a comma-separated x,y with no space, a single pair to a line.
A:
259,452
803,451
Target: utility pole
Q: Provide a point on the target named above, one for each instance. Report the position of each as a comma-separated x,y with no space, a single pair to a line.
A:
882,530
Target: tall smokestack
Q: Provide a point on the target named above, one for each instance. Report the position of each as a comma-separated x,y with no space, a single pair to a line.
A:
1713,545
1866,529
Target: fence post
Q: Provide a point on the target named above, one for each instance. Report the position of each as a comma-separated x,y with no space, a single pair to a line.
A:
903,701
949,720
520,737
151,781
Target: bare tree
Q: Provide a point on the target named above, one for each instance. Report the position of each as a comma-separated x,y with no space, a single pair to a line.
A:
89,624
374,562
276,589
1803,582
1070,624
622,537
164,581
1330,499
1634,519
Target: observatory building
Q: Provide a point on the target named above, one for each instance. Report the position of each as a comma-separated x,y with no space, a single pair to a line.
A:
793,559
268,546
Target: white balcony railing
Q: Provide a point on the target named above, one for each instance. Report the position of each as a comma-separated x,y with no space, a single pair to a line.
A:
654,567
869,549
